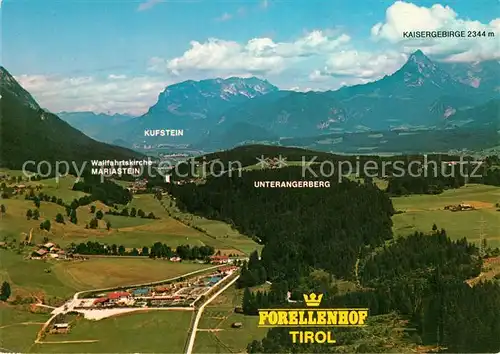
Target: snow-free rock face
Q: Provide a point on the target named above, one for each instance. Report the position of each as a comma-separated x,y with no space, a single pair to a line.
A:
421,94
194,107
30,133
7,82
198,98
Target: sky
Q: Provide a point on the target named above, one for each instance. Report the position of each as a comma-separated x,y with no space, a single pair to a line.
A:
116,56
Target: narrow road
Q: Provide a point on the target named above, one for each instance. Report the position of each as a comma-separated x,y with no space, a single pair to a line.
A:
200,312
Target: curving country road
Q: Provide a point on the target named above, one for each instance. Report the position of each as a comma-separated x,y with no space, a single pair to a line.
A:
200,312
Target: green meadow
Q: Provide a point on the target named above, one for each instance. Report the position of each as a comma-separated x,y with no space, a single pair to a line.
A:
420,212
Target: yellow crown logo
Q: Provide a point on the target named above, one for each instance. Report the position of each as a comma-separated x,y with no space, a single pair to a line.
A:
313,300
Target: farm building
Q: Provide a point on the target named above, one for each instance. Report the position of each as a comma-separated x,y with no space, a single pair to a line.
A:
39,254
219,259
227,270
60,328
118,296
102,301
459,207
163,289
48,246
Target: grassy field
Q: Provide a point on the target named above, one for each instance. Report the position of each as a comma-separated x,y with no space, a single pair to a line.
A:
31,277
146,332
63,278
219,315
127,231
228,238
422,211
108,272
18,328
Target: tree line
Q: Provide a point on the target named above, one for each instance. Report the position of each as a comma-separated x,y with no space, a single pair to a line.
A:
300,228
106,191
421,278
157,250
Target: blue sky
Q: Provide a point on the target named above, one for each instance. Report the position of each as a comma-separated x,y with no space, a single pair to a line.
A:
118,55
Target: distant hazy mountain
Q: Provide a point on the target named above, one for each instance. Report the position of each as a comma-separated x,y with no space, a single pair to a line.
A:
95,125
193,106
483,116
27,132
485,76
219,113
237,134
418,95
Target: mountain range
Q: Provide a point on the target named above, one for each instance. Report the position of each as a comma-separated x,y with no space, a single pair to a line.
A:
30,133
94,124
222,113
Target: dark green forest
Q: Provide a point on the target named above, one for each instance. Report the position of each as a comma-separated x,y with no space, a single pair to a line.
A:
345,232
300,228
104,190
33,134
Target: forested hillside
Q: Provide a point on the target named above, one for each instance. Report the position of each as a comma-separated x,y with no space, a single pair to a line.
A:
29,133
345,232
301,228
422,279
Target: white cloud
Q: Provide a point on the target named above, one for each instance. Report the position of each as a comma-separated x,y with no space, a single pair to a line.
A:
116,77
115,93
264,4
257,56
146,5
318,76
300,89
224,17
405,16
364,65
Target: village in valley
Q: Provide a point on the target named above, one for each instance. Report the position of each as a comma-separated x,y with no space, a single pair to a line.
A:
71,262
180,294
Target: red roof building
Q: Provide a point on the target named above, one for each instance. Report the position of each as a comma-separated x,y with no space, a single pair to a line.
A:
226,269
219,259
100,300
118,294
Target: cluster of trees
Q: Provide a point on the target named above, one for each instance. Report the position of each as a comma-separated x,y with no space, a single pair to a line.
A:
255,300
252,273
106,191
32,214
5,291
45,225
422,278
71,214
157,250
423,185
53,199
70,208
94,224
193,252
132,213
300,228
491,177
454,258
